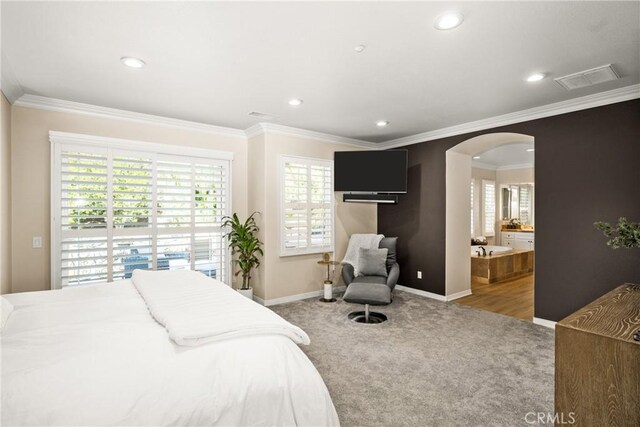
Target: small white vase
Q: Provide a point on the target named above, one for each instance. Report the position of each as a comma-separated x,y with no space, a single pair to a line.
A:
247,293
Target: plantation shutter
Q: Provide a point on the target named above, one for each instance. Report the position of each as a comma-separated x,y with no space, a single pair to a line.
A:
84,187
525,204
117,210
306,206
473,210
132,207
489,201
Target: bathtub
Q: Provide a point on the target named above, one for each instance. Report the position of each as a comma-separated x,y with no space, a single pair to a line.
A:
495,249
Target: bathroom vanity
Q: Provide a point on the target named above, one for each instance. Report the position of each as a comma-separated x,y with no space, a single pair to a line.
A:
518,239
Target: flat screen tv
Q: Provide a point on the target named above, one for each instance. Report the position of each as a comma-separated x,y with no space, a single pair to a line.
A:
370,171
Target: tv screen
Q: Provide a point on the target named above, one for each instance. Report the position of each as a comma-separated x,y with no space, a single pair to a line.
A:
371,171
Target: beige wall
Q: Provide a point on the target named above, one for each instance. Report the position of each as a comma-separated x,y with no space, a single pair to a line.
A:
255,188
479,173
30,151
457,206
257,198
291,275
515,176
5,196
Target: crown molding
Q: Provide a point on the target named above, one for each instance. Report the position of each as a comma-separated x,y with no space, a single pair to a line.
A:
590,101
10,85
60,105
63,106
255,130
486,166
514,167
272,128
596,100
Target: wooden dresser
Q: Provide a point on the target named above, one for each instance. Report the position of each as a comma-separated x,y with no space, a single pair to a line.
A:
598,361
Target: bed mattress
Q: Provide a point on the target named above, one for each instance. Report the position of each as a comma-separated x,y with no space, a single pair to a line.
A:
95,356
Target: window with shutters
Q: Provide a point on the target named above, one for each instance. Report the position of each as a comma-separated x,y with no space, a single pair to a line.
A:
306,199
475,208
525,204
115,210
472,210
489,207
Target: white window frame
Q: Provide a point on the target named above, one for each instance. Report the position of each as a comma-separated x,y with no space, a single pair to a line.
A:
488,232
285,252
98,144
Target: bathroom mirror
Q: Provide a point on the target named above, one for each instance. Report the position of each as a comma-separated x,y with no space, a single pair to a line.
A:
517,202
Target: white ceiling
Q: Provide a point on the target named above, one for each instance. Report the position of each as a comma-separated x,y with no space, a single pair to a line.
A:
215,62
515,154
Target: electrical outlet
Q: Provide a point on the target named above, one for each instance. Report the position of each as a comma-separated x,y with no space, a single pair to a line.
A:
419,274
37,243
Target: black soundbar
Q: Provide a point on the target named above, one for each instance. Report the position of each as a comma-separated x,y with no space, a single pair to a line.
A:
391,199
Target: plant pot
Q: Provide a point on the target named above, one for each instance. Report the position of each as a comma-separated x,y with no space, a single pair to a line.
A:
246,292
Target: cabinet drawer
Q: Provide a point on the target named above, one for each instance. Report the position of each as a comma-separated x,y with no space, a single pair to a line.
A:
525,237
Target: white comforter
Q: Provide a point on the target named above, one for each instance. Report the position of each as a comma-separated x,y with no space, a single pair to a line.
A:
196,309
95,356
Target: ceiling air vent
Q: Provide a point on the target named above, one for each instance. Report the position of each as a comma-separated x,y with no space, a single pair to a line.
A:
263,116
591,77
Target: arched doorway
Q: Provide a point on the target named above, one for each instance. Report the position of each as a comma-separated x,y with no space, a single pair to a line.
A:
458,207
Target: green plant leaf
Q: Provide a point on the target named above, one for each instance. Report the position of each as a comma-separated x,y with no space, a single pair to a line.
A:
244,244
625,234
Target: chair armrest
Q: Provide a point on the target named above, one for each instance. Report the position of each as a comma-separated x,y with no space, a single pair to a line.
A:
394,274
348,273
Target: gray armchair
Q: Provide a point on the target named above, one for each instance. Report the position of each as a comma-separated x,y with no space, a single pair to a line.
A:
372,290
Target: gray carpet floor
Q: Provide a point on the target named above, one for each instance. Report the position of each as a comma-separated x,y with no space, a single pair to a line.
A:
431,364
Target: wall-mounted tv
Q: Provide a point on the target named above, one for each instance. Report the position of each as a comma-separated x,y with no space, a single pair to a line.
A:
370,171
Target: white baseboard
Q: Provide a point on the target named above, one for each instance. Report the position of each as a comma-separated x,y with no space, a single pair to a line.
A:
544,322
421,293
458,295
298,297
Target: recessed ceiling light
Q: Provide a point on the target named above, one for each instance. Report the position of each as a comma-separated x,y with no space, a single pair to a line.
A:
535,77
295,102
530,150
359,48
132,62
476,157
382,123
448,20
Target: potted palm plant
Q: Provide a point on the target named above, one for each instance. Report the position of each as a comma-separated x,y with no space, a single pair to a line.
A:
245,247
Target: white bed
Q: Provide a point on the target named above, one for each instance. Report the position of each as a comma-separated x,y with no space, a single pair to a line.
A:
95,356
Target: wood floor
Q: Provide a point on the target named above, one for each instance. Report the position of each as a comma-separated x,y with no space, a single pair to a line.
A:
512,297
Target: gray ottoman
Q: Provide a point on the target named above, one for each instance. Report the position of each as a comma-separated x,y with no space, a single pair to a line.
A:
368,293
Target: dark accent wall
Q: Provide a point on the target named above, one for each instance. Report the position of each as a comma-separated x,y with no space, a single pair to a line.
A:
587,168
